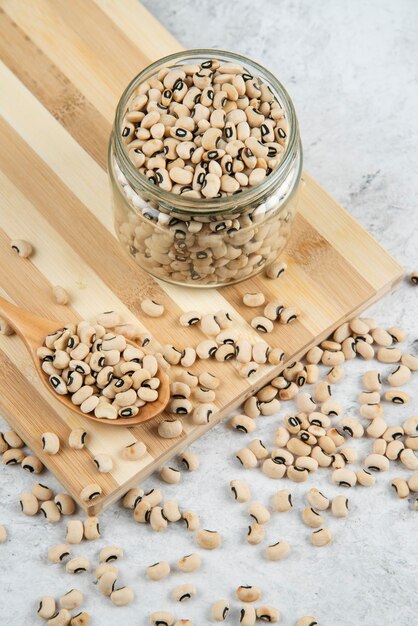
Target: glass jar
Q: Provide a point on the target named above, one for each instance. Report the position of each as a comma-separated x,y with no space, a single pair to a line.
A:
197,241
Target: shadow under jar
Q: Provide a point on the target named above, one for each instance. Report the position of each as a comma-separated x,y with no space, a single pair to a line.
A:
198,241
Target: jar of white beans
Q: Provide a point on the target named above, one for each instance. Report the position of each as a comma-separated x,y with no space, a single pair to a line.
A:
205,161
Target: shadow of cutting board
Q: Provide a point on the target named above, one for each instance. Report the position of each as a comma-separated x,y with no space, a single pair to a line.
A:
64,66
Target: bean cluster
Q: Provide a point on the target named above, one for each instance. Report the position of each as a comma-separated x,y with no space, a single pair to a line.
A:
205,130
100,370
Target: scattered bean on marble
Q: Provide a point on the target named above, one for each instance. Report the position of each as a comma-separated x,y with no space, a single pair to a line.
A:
208,539
29,504
71,600
78,565
107,581
267,614
248,593
184,592
58,553
220,610
339,506
32,464
65,504
158,571
190,460
365,478
189,563
277,551
122,596
47,607
50,511
259,513
321,537
62,618
3,534
401,487
161,618
81,619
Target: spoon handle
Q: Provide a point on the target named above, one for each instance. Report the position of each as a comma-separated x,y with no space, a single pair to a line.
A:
30,327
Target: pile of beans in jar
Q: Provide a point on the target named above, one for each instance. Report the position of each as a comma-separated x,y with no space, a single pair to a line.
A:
205,130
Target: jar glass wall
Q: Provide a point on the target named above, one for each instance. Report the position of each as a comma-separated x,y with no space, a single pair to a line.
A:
198,241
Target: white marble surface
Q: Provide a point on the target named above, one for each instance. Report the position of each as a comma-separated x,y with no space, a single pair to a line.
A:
351,70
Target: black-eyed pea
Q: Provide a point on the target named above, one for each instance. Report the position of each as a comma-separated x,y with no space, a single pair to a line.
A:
65,504
349,454
208,539
413,482
29,504
247,615
219,610
372,381
189,563
171,511
409,459
181,593
12,440
21,247
351,427
394,449
389,355
411,362
322,392
376,463
122,596
364,349
201,394
305,403
158,571
62,618
392,433
142,512
240,490
255,534
247,458
248,369
376,428
317,499
277,551
47,607
243,351
298,447
77,438
410,426
306,463
74,532
169,429
259,449
311,518
396,396
327,444
161,618
307,620
365,478
191,519
338,461
399,376
321,537
106,575
90,492
190,460
401,487
32,464
81,619
248,593
267,614
369,397
282,501
203,413
371,411
259,512
157,520
170,475
276,356
50,443
260,352
344,477
339,506
110,553
91,529
50,511
337,437
253,299
58,553
412,443
379,446
78,565
71,600
297,474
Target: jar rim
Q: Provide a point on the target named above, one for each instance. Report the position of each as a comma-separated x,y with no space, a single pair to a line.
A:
208,206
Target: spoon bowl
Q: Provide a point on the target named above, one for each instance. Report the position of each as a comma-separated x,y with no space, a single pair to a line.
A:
33,329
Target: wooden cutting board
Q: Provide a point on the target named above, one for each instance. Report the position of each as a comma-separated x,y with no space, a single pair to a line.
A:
64,66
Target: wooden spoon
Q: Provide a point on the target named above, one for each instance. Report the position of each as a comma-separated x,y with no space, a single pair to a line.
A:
33,330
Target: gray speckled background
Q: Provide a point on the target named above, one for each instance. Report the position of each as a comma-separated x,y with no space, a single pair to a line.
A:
351,69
